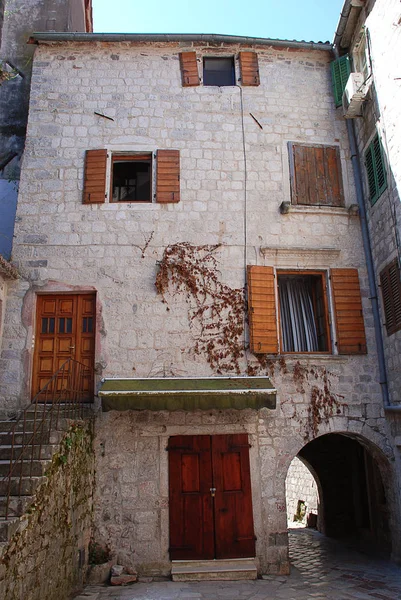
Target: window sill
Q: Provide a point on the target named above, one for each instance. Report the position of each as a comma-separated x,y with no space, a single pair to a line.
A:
303,357
287,207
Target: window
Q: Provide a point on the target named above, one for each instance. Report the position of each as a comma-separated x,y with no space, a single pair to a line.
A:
360,57
375,169
340,71
300,321
303,313
219,70
391,292
315,173
131,177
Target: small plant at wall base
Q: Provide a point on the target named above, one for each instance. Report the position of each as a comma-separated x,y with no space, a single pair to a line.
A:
97,554
216,311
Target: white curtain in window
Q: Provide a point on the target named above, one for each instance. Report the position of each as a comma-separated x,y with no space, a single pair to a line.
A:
298,324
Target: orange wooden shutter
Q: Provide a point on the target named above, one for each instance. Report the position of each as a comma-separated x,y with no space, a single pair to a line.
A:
316,175
189,69
262,310
168,176
348,311
248,62
95,176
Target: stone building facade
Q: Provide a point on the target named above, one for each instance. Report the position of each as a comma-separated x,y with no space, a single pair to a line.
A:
239,218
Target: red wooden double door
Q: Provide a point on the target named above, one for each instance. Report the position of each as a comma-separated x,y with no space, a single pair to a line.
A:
210,500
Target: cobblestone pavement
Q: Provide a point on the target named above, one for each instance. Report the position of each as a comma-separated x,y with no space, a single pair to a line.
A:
322,569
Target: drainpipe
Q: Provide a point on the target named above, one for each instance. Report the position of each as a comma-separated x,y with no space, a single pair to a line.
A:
369,263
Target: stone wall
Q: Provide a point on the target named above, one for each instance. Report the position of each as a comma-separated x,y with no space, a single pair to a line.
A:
381,113
46,559
300,485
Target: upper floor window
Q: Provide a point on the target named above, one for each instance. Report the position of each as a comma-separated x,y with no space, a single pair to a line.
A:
315,173
219,70
340,71
360,57
289,311
375,169
130,176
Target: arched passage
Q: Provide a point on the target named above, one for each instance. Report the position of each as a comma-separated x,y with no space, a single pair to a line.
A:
352,494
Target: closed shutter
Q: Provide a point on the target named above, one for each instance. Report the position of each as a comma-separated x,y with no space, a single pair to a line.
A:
262,310
375,169
248,62
315,175
189,69
391,291
168,176
95,177
340,71
348,311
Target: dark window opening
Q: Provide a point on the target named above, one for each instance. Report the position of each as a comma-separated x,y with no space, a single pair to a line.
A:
131,178
218,71
303,313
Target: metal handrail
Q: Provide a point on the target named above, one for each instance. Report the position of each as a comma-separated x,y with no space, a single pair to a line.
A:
63,392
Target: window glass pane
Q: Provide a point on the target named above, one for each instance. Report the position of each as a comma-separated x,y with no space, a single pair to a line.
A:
61,325
45,324
69,325
131,180
51,325
218,71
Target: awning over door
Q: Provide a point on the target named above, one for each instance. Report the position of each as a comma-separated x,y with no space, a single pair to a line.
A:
175,393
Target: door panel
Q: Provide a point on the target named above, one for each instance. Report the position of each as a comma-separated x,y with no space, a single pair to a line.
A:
64,329
210,497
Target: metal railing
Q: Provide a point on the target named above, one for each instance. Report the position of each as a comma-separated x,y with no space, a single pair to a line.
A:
64,397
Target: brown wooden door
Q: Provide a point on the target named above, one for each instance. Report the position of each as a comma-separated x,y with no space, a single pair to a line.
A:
210,497
65,328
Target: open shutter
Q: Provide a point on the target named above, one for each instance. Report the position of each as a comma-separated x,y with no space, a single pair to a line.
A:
340,71
348,311
95,177
168,176
391,291
262,310
315,175
248,62
189,69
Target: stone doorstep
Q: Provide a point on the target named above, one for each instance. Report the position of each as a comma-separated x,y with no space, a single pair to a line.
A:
224,570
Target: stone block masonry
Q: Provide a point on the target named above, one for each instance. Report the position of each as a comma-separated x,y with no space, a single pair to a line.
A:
46,559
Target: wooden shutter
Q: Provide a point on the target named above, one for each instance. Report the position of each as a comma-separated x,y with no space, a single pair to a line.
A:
375,169
391,292
189,69
348,311
95,176
340,71
262,310
248,62
168,176
315,175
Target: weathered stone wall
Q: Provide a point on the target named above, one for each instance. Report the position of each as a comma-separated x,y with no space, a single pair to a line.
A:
46,559
300,485
62,245
381,113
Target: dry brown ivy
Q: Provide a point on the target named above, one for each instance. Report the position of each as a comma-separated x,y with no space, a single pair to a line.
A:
216,311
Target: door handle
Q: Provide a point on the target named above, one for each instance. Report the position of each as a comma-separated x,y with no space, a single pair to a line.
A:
72,347
213,492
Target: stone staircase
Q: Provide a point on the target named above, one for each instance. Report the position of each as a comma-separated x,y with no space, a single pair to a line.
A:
31,471
219,570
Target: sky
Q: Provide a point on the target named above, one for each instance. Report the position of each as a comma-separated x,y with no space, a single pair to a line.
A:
309,20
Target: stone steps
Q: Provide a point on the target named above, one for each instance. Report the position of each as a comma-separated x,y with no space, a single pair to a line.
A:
16,507
37,452
35,468
219,570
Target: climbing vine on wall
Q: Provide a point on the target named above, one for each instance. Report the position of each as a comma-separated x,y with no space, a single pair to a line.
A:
216,311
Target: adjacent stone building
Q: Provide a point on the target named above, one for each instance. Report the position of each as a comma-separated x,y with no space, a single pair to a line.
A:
188,225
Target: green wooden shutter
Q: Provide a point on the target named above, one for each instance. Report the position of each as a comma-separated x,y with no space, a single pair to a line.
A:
340,70
391,291
375,169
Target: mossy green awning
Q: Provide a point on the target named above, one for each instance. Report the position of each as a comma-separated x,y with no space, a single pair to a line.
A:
175,393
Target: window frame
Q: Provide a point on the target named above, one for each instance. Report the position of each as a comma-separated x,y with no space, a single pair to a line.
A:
131,157
361,57
216,59
323,275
